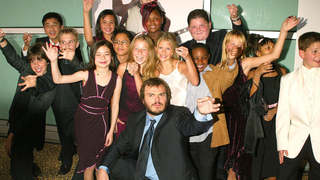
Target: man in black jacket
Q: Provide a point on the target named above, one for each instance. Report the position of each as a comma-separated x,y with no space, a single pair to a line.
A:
168,155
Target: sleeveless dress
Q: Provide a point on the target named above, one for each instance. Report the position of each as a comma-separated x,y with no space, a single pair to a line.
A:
236,159
178,84
91,121
266,163
129,100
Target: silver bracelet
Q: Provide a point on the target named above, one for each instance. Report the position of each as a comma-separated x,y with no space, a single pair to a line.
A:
200,112
235,19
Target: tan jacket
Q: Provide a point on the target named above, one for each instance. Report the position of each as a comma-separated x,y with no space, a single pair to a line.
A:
218,81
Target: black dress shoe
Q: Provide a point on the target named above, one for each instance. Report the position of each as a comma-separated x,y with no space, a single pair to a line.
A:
73,153
36,171
64,169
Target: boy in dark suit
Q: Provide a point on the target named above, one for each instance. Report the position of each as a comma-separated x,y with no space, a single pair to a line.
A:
68,95
33,97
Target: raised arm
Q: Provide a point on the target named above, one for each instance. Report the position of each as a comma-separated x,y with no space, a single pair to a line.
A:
11,55
26,39
52,54
188,69
87,6
251,62
235,18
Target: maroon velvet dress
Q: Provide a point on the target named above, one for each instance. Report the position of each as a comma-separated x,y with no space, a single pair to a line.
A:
129,100
236,122
91,121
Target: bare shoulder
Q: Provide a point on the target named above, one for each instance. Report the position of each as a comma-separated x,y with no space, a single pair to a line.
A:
121,69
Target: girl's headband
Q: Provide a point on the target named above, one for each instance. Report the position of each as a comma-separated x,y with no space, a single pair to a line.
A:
260,40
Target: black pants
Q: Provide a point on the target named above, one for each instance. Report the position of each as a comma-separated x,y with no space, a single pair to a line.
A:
21,159
203,157
290,166
64,120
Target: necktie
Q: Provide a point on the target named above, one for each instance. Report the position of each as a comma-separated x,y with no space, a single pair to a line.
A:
57,46
144,153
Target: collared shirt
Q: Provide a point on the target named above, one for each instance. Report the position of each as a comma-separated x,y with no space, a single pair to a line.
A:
308,77
24,53
203,42
150,171
193,93
200,91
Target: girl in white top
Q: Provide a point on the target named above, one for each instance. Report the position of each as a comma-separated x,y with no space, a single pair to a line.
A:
175,72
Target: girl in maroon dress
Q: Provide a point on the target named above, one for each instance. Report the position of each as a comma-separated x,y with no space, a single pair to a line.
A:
137,69
100,84
238,163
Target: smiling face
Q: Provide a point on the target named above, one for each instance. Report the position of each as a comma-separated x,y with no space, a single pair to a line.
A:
199,29
311,57
235,42
200,57
68,42
140,52
155,100
38,65
51,28
107,24
121,44
164,51
154,21
103,57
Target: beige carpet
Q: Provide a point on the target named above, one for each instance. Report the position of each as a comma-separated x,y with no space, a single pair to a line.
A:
47,160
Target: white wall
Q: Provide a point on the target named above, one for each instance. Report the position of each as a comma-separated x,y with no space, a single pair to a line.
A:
309,10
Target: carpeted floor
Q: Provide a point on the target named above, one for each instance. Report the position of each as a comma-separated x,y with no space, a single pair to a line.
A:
47,160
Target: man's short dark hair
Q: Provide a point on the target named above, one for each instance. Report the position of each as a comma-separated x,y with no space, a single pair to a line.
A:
308,38
155,82
198,13
50,15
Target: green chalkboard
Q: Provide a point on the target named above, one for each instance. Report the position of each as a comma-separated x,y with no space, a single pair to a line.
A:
257,14
24,13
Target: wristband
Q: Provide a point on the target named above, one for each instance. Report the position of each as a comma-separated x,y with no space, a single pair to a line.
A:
200,112
235,19
257,75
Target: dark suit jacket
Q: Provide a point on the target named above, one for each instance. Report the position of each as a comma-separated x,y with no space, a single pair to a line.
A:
214,42
169,149
67,96
27,113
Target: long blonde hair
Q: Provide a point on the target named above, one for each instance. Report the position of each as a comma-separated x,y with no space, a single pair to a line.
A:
149,68
227,38
171,38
